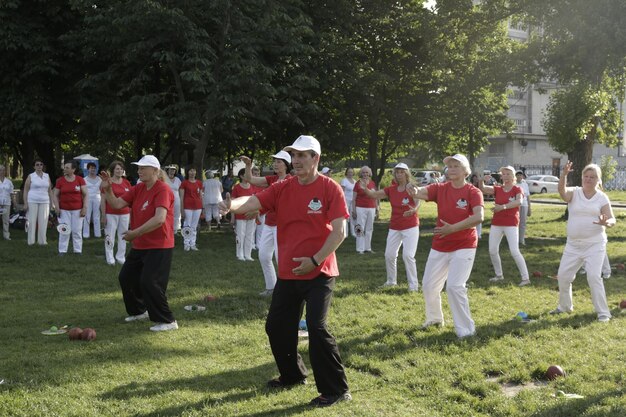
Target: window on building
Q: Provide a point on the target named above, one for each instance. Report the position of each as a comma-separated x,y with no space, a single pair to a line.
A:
517,95
497,149
517,109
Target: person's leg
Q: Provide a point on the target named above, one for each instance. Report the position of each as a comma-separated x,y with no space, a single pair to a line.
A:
266,252
154,278
97,232
594,257
369,228
394,240
606,266
281,327
195,219
6,211
571,261
250,228
187,223
523,214
240,231
109,232
495,237
77,231
122,227
330,376
435,275
177,209
410,238
130,283
87,221
512,238
461,264
31,218
43,212
361,214
65,217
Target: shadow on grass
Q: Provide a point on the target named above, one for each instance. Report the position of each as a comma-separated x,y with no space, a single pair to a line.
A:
584,406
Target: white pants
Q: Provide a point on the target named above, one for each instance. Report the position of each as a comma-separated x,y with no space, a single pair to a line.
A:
349,229
523,215
259,231
93,213
244,230
75,221
192,217
6,212
606,266
117,224
365,224
266,252
211,211
176,211
455,268
408,238
591,256
495,237
37,218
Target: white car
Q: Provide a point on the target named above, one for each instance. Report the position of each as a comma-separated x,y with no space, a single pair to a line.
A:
543,184
422,177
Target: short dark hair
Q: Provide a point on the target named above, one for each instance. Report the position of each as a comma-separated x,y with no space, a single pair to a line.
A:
114,164
241,173
91,164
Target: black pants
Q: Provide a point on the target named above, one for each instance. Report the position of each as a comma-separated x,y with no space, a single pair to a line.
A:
143,278
282,329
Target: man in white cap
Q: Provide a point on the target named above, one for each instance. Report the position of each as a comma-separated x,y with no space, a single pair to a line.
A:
450,261
145,274
311,212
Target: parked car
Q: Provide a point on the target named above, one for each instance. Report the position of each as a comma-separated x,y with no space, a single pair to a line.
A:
422,177
543,184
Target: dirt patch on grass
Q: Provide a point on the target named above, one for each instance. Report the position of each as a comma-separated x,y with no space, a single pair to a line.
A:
511,389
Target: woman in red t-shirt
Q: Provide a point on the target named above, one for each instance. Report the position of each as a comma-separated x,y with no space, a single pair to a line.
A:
115,221
450,261
267,244
508,199
245,226
363,211
403,227
70,196
191,196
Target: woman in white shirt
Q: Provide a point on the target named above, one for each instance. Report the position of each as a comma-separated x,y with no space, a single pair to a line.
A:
524,209
347,184
37,201
93,182
211,198
590,213
6,195
174,182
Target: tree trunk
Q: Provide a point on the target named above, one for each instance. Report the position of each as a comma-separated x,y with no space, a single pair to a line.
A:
580,157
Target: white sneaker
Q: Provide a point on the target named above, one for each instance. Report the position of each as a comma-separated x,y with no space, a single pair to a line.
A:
496,279
413,289
187,248
194,248
162,327
606,276
249,259
142,316
604,319
266,293
467,336
389,284
524,282
241,259
432,323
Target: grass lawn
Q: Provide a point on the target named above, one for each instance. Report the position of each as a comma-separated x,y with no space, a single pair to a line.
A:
217,363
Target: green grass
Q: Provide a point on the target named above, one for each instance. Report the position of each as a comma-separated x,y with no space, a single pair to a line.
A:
217,363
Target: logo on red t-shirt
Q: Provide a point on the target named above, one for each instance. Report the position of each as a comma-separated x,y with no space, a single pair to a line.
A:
405,201
77,188
461,203
315,206
145,205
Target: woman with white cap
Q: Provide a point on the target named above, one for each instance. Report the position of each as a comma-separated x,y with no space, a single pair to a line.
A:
590,213
267,244
403,227
174,182
70,196
363,211
508,199
191,198
450,261
211,199
38,199
146,272
116,221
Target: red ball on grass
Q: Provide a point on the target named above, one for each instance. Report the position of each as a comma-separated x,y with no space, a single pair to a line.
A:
622,304
537,274
210,298
89,334
554,372
75,333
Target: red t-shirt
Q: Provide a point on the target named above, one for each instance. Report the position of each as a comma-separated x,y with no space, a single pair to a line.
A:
239,191
193,195
143,204
453,206
510,216
363,200
304,213
118,191
400,202
70,196
270,216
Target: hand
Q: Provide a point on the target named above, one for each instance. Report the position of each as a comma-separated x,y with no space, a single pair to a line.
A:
246,160
412,190
306,266
106,181
130,235
224,205
354,215
83,211
103,219
410,212
498,208
603,220
444,230
567,168
251,215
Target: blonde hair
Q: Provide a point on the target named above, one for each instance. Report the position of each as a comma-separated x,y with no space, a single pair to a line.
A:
409,177
598,171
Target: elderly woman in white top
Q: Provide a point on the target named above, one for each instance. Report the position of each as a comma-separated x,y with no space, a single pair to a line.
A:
37,199
174,182
347,184
92,214
590,214
6,195
211,198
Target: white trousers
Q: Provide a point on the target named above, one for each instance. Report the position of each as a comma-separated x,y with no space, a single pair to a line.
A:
37,218
192,217
176,211
365,224
6,212
93,214
266,252
244,230
495,238
523,215
211,211
455,268
259,231
408,238
591,256
75,221
117,225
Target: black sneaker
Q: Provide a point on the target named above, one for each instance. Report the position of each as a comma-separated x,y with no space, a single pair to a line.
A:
328,400
277,383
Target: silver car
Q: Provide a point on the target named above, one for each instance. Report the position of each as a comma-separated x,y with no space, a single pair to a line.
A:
543,184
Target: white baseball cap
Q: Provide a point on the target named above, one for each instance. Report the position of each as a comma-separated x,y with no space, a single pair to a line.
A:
148,161
283,155
305,143
325,170
460,158
509,167
401,165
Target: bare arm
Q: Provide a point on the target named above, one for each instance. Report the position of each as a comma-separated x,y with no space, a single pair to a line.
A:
565,192
467,223
115,202
334,239
181,194
83,210
26,190
156,221
103,210
606,219
417,193
55,198
486,189
256,181
377,194
240,205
